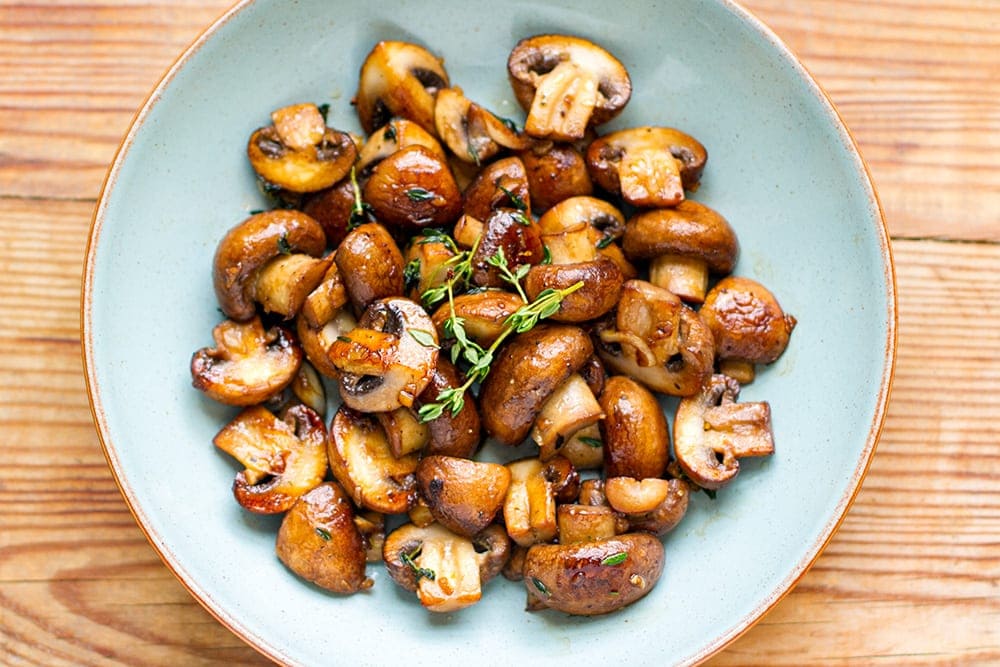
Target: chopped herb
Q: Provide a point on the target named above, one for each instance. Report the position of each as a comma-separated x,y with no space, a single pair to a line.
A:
546,255
615,559
419,572
542,588
256,211
591,442
284,247
325,534
709,492
419,194
411,275
515,199
511,125
521,219
324,110
605,241
473,153
390,132
344,339
499,261
361,211
425,338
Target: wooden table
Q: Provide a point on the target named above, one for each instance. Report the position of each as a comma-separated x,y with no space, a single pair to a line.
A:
912,576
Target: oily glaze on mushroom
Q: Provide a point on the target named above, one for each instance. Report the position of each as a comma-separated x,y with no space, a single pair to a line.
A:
399,79
413,188
464,496
370,264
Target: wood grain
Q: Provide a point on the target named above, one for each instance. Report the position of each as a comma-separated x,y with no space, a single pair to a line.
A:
912,576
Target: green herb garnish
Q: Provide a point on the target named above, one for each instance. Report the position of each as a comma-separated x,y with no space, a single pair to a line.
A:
605,241
591,442
411,275
419,572
325,534
615,559
546,255
284,247
515,199
361,211
419,194
425,338
542,588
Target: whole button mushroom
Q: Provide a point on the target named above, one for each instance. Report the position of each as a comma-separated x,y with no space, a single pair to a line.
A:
298,152
566,84
712,432
511,232
265,254
647,166
399,79
370,264
464,496
450,434
634,430
684,244
748,324
577,227
413,188
388,359
501,184
555,173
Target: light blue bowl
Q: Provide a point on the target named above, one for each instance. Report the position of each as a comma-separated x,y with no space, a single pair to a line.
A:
782,168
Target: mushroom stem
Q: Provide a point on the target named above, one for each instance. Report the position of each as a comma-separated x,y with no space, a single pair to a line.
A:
571,246
405,432
738,369
467,231
571,407
687,277
584,448
564,101
364,352
650,178
284,283
455,584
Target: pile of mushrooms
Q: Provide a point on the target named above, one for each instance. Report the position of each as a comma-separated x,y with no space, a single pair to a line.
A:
394,267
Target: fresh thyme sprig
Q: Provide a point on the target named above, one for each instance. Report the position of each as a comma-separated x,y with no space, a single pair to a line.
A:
361,211
459,271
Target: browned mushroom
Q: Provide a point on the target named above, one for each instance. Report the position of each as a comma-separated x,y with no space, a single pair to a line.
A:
319,541
526,372
248,365
748,324
555,172
445,570
566,84
362,462
601,287
657,341
580,228
326,300
274,237
298,152
685,244
413,188
584,448
463,496
282,458
484,314
370,265
395,135
647,166
428,260
501,184
590,578
529,509
388,359
515,235
316,341
634,430
712,432
664,517
405,432
571,408
450,434
473,134
399,79
587,523
333,209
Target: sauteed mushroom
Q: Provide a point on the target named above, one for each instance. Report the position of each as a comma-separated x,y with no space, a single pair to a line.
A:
450,434
394,136
370,265
464,496
413,188
555,172
473,134
634,430
529,509
399,79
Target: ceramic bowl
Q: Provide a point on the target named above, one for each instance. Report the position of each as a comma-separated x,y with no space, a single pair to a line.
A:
782,168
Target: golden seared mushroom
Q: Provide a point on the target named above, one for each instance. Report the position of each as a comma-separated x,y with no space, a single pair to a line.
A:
395,135
406,433
648,166
361,460
748,324
248,364
326,300
712,432
684,245
257,255
388,359
282,458
502,184
634,431
484,314
413,188
399,79
333,209
526,372
370,264
657,340
445,570
601,288
450,434
473,134
319,541
298,152
571,408
582,228
630,496
664,517
463,496
555,172
315,341
587,523
590,578
529,509
427,263
308,388
566,84
512,233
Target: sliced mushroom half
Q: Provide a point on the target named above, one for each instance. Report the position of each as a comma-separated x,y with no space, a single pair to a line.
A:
399,79
298,152
282,458
712,432
395,135
473,134
529,508
248,364
464,496
566,84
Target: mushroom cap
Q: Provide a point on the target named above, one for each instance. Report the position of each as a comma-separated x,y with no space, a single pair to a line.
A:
463,495
370,264
505,230
572,213
602,287
555,173
746,321
538,55
399,79
248,246
691,229
410,363
413,188
526,372
503,183
395,135
451,434
634,431
605,153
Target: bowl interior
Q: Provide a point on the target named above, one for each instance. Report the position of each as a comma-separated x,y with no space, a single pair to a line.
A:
781,168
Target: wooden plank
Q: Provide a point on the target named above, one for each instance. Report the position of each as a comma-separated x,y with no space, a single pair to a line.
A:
916,560
917,82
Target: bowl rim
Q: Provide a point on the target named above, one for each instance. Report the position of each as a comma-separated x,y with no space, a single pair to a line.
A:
749,620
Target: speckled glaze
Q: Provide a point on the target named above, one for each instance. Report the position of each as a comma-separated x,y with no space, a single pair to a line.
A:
783,170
